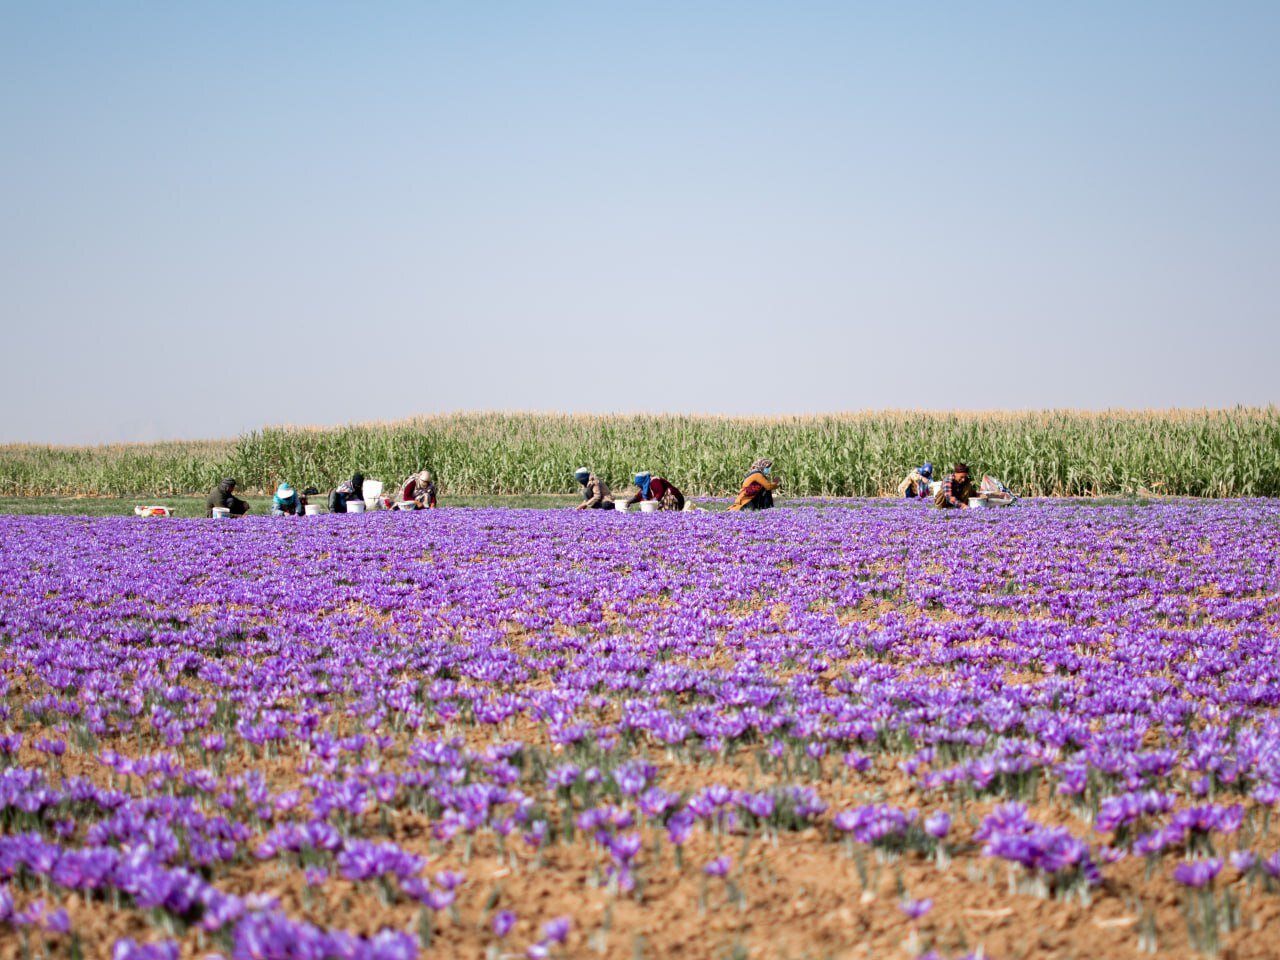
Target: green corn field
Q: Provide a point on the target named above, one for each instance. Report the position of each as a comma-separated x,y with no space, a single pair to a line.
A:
1205,453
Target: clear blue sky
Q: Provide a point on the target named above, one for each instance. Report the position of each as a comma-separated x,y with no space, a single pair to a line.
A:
219,216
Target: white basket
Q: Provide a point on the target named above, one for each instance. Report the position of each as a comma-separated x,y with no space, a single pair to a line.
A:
649,506
406,505
221,513
621,506
312,509
355,506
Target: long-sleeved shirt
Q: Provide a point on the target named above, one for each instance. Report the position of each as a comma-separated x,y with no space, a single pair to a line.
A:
289,505
595,493
221,496
659,487
413,489
342,494
752,487
955,492
916,485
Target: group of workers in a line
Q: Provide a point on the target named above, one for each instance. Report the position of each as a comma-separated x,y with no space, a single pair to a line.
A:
756,493
419,489
596,494
954,492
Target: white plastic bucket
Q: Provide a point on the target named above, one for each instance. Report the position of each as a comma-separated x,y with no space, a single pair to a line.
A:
620,506
312,509
220,513
355,506
649,506
406,505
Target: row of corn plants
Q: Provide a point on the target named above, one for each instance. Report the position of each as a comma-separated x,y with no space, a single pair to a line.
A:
1209,453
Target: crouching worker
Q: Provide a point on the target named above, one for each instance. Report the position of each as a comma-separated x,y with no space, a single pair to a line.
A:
757,488
657,488
345,492
287,502
595,492
957,490
421,489
917,483
220,496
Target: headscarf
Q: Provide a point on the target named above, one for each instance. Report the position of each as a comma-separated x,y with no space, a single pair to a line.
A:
357,485
425,476
760,466
582,475
227,485
642,481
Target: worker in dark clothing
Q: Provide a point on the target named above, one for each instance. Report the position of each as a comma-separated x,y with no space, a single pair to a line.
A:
220,496
957,490
347,490
657,488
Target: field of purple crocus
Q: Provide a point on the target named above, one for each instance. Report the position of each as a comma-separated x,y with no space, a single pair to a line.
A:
862,730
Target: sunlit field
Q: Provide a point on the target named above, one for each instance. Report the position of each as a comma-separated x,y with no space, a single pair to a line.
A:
877,731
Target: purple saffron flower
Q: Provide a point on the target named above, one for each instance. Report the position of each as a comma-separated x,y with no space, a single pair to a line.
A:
557,930
915,909
719,867
625,846
938,824
439,899
846,821
450,879
503,922
1242,860
1267,794
1197,873
58,921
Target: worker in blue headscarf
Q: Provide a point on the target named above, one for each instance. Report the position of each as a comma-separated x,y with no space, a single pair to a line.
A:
918,482
657,488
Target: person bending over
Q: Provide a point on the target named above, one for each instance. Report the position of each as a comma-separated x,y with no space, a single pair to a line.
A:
345,492
596,494
421,489
287,502
757,488
657,488
221,496
917,482
957,490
